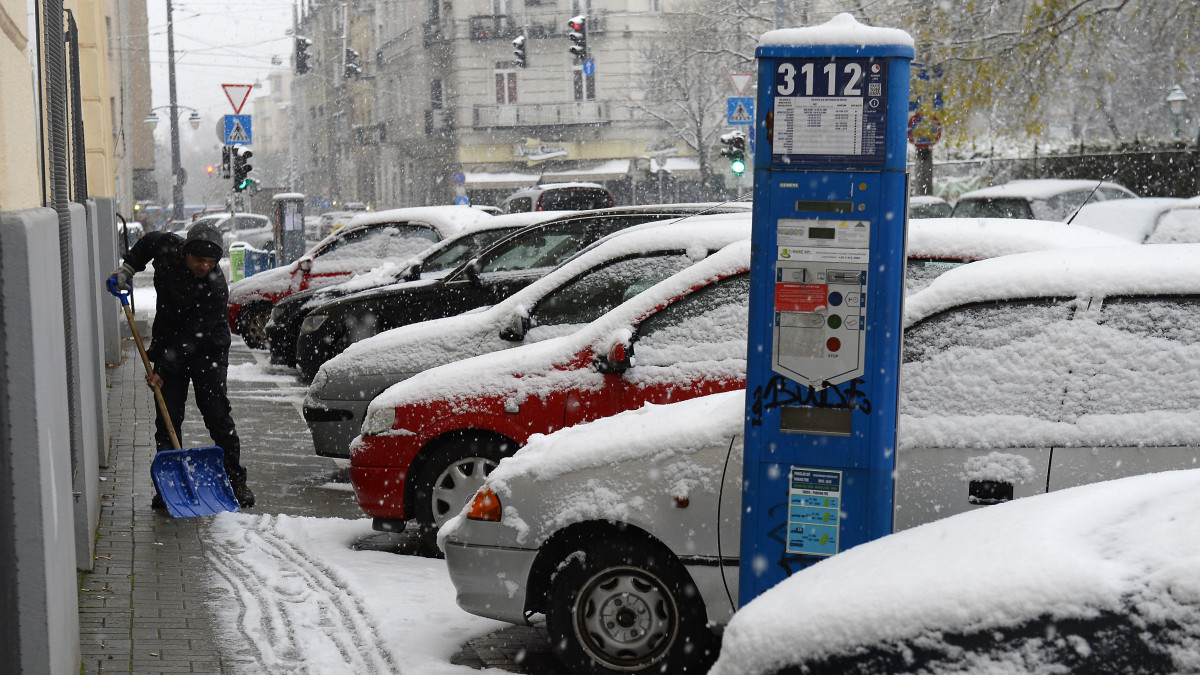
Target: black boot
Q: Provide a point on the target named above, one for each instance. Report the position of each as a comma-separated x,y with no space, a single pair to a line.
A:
244,495
157,503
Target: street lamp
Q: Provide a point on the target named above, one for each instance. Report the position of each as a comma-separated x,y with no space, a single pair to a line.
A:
1177,105
193,119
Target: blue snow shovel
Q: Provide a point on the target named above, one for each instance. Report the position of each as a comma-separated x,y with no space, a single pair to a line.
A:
191,482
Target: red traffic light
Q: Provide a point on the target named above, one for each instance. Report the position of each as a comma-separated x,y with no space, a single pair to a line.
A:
209,169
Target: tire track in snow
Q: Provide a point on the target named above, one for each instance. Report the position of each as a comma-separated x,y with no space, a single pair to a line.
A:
288,613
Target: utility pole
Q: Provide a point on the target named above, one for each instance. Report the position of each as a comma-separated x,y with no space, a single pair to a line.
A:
177,177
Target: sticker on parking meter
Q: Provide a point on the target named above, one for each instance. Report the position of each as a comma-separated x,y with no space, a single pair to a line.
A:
829,112
814,511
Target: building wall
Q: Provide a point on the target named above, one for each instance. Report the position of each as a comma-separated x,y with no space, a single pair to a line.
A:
19,185
91,19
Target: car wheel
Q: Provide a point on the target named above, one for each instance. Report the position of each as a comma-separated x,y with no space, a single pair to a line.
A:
252,324
449,479
627,607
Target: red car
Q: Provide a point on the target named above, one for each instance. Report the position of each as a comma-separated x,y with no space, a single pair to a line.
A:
367,242
429,441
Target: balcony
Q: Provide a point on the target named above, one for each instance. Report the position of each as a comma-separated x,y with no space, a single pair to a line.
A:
435,32
492,27
540,114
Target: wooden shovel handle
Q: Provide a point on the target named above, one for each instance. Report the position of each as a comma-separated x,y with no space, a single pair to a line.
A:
162,404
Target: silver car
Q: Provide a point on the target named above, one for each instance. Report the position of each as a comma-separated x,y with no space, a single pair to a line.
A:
1022,374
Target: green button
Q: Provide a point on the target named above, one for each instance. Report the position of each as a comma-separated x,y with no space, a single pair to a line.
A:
835,321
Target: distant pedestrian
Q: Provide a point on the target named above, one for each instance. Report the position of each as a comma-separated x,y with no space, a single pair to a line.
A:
190,338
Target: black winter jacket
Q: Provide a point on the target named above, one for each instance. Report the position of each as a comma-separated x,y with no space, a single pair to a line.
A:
191,328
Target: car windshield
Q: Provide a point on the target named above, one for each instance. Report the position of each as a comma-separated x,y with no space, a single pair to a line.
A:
544,247
461,249
574,198
994,208
385,241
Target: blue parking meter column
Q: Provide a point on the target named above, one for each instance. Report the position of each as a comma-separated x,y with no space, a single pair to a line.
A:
827,279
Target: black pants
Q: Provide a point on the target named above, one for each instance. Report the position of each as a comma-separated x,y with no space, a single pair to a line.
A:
212,398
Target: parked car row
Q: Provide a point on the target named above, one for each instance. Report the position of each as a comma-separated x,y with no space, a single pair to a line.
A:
1021,375
559,395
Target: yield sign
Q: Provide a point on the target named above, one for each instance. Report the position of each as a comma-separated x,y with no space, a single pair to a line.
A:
740,80
237,95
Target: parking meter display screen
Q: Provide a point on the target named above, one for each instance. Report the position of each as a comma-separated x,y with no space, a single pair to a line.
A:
829,112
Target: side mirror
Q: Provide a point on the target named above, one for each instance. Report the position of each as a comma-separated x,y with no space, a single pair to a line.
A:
411,273
472,270
618,360
305,264
515,329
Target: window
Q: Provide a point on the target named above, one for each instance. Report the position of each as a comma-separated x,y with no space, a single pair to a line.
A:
383,241
708,325
435,11
463,248
598,290
506,86
435,94
920,272
546,247
585,85
999,359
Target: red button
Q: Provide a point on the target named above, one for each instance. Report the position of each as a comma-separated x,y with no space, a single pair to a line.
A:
833,344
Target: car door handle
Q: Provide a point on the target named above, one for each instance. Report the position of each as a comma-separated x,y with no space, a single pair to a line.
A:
989,492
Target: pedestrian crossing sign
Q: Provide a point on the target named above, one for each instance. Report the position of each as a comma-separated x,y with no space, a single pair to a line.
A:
237,130
741,110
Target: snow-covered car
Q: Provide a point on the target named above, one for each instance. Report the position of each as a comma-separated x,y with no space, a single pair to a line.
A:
505,268
558,197
433,263
928,206
576,293
428,441
937,245
366,243
1132,219
1037,199
1021,375
1180,225
248,228
1102,578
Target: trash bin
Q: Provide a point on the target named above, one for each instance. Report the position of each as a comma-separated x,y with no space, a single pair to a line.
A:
258,261
237,261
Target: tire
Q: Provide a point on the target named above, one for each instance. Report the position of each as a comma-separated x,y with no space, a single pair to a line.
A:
627,607
449,478
252,324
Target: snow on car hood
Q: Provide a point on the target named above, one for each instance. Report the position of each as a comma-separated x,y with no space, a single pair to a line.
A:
1037,188
448,220
1066,554
534,370
1132,219
1170,268
979,238
279,280
424,345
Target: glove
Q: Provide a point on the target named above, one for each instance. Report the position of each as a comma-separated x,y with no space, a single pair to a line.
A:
123,276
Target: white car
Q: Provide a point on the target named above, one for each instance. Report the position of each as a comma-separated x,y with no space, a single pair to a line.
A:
1022,375
367,242
577,292
1180,225
1132,219
1037,199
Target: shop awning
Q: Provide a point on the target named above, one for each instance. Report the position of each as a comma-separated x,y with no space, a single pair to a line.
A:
482,180
613,169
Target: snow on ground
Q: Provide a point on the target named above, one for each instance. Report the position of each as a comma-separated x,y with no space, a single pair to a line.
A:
294,597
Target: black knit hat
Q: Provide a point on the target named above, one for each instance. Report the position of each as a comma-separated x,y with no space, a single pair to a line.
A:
205,241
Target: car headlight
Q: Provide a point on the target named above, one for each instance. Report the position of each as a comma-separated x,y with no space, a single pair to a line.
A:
312,322
380,421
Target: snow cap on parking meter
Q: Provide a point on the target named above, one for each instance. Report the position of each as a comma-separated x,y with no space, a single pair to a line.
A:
203,240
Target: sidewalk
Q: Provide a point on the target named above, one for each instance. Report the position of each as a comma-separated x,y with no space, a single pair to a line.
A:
144,607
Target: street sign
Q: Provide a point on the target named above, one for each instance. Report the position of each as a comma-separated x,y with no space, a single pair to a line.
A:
924,130
740,80
237,130
589,67
458,178
740,110
237,95
462,201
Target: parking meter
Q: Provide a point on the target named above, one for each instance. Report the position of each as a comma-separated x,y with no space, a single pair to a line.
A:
287,219
827,275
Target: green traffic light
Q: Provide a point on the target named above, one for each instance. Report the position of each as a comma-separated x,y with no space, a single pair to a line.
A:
737,166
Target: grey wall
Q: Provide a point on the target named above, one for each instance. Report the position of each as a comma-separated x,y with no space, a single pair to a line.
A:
108,257
92,442
39,605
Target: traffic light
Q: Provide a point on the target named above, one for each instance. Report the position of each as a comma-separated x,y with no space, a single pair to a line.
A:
241,169
353,66
209,169
735,150
518,44
578,35
302,45
226,163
